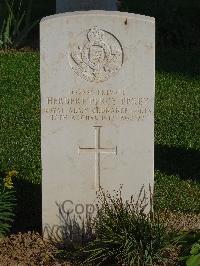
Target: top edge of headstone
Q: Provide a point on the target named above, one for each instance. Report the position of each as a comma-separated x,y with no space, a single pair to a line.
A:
100,12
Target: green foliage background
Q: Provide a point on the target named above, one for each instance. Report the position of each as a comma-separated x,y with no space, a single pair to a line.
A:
177,125
177,21
20,114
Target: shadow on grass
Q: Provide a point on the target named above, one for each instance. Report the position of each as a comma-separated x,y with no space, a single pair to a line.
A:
169,160
29,207
183,61
178,161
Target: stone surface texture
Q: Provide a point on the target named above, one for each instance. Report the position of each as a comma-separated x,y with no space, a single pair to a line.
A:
81,5
97,107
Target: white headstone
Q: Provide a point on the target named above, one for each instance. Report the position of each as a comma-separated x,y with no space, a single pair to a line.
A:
97,108
80,5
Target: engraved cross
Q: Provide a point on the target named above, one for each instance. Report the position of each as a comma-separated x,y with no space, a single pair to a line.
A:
97,150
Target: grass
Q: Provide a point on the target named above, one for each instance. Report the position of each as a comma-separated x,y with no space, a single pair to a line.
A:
177,125
177,110
20,114
175,194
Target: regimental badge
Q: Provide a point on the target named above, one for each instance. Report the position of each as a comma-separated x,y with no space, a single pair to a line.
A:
98,57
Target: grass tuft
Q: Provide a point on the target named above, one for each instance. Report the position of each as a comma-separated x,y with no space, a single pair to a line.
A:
127,233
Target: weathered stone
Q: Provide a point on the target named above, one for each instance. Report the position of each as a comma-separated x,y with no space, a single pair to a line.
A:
97,102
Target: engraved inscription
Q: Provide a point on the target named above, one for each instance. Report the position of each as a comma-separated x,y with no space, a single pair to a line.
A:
98,150
98,58
97,105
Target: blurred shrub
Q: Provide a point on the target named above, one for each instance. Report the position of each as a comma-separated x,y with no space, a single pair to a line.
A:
194,257
7,202
16,24
177,21
43,8
189,242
